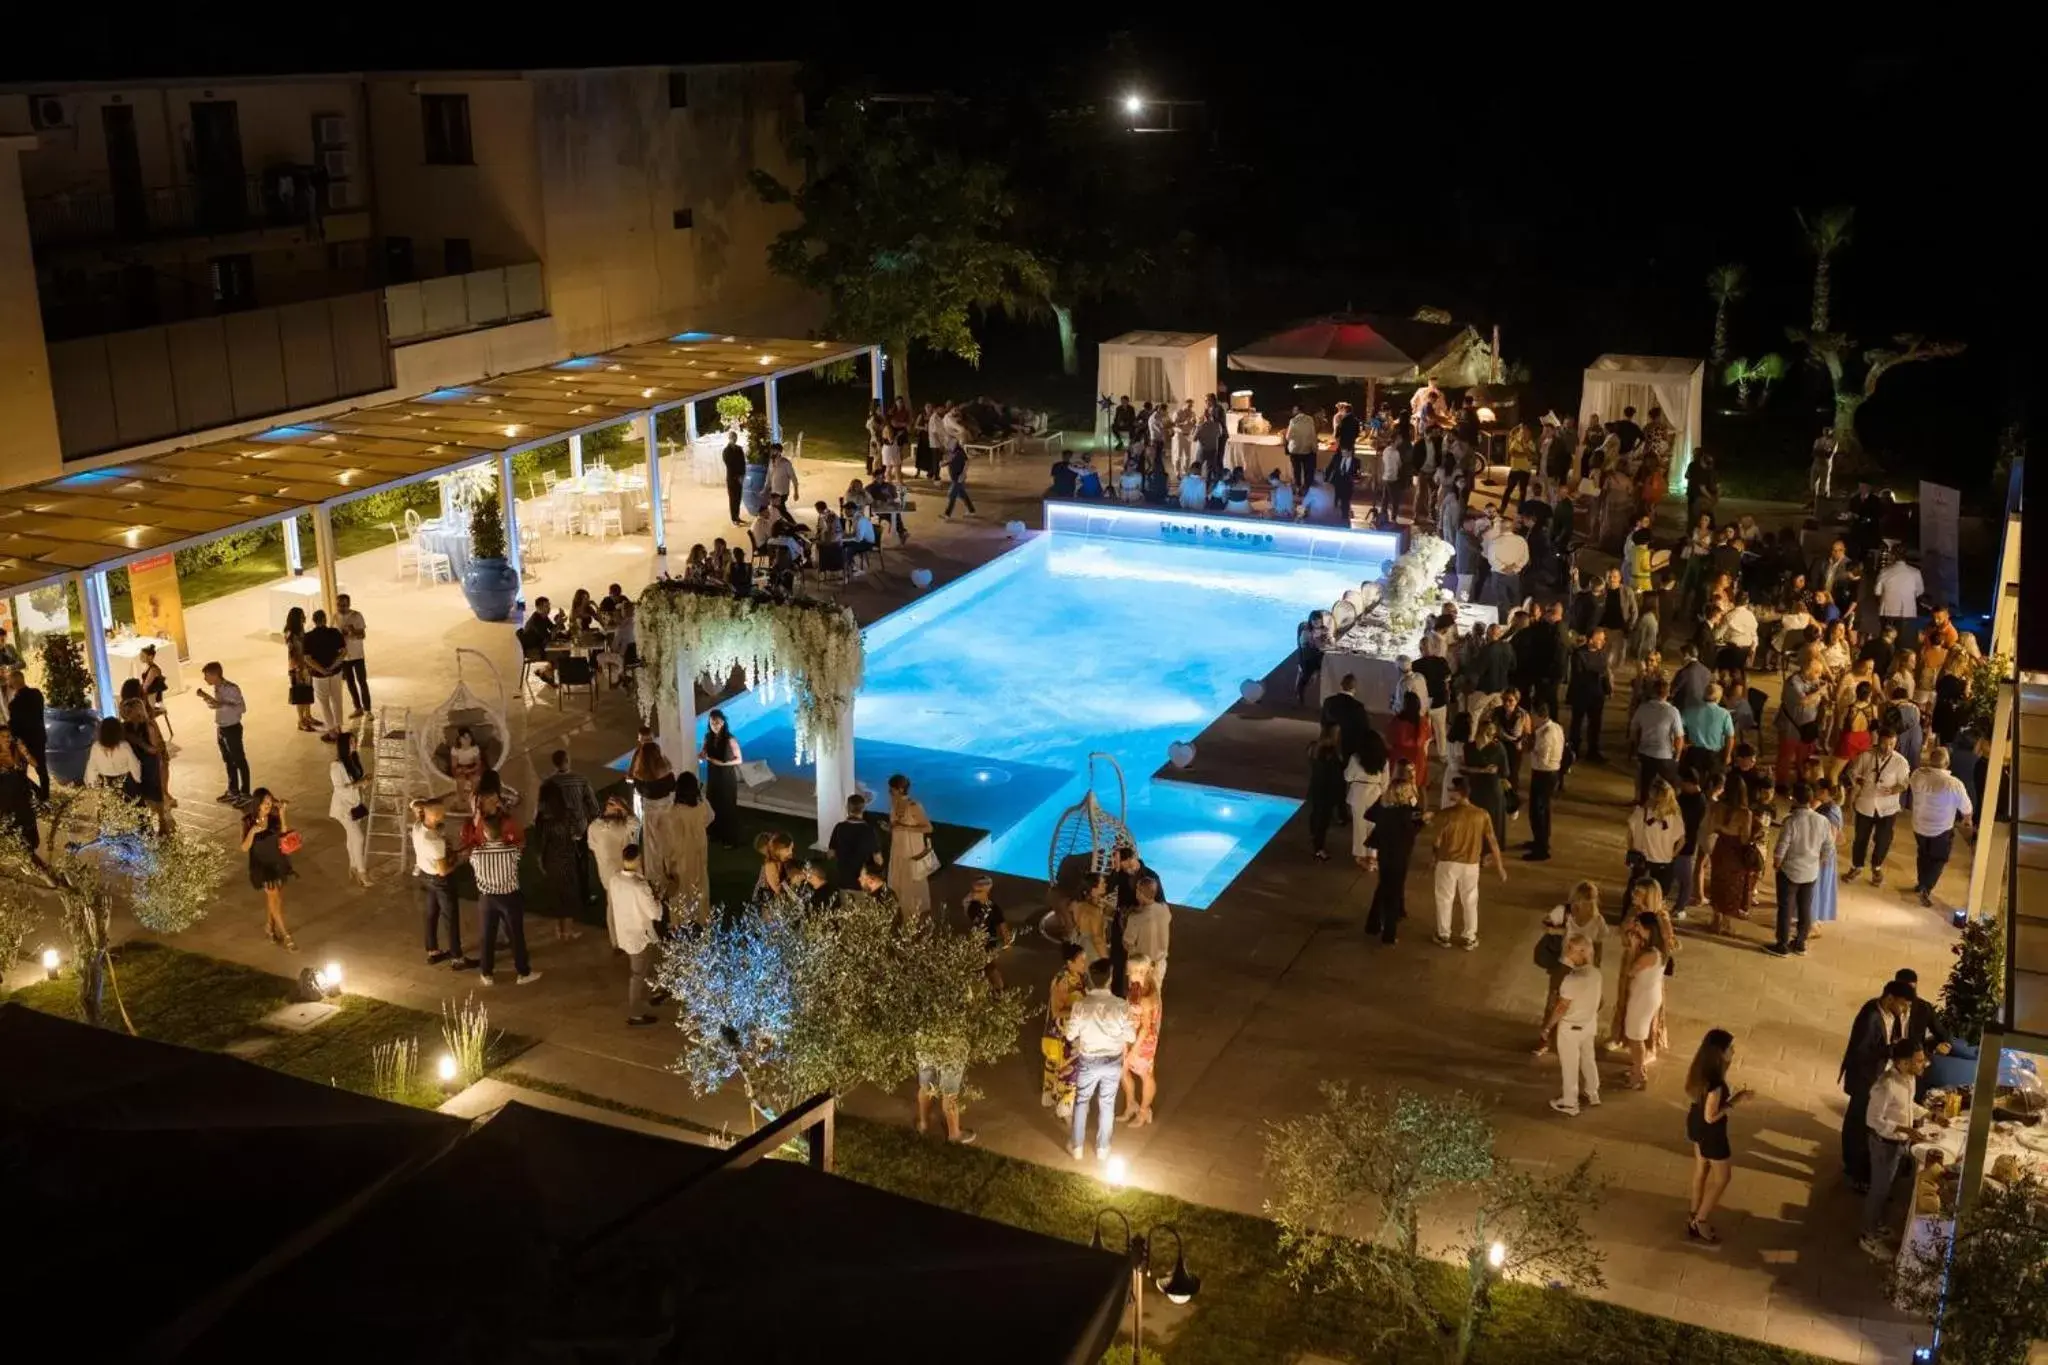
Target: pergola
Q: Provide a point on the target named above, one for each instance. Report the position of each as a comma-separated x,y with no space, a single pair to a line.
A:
81,526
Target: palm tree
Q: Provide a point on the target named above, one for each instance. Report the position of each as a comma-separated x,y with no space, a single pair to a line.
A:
1769,370
1826,233
1726,283
1739,375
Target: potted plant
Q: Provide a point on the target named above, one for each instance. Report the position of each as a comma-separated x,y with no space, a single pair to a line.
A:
490,582
68,714
1969,1000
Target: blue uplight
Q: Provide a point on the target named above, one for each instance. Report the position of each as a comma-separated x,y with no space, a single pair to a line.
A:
581,362
694,336
284,435
95,476
454,395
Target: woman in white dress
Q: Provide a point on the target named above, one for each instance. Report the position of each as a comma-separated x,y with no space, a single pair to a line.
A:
1645,996
688,827
910,839
1194,491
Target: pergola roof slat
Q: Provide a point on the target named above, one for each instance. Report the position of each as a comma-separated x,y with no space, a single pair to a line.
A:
96,517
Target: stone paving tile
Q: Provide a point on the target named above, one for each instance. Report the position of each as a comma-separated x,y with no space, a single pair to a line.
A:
1276,988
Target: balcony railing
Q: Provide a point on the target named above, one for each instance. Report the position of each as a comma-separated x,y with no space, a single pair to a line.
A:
285,196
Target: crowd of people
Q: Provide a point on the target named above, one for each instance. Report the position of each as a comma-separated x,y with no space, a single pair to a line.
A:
1778,713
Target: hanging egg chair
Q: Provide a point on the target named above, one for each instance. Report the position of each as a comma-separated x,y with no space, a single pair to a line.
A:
1084,843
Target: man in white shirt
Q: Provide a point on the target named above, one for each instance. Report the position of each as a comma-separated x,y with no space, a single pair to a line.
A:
1893,1120
1408,682
354,670
782,480
1424,396
1100,1030
433,862
1899,589
1877,777
1301,448
1148,928
226,702
1940,803
1803,840
1574,1027
1507,551
1546,757
633,911
1735,633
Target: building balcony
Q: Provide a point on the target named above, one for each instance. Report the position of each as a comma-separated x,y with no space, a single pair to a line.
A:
282,197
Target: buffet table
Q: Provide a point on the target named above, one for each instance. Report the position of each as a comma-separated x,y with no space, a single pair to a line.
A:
126,655
1367,652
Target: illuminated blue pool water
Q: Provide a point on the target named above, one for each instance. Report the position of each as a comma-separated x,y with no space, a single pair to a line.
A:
990,692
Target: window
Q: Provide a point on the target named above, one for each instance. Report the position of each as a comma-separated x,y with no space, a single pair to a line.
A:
685,218
456,257
445,120
678,89
234,283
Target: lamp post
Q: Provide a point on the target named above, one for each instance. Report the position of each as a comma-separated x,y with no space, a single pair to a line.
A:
1178,1287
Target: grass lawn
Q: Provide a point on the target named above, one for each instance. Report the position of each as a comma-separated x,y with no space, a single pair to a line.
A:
1247,1313
197,1001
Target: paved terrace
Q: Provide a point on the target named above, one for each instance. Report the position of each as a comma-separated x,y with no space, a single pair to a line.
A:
1275,987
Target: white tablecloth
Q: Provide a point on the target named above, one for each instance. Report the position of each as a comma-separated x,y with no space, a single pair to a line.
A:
126,657
629,492
1376,674
301,591
446,538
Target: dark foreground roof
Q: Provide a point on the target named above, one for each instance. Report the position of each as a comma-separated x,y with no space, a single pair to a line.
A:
277,1211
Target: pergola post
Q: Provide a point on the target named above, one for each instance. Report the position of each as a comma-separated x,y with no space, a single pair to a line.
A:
835,778
655,515
690,421
90,586
875,367
774,412
576,456
323,550
508,497
677,726
294,559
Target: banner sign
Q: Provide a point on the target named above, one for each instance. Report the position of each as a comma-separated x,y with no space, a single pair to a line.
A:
1940,510
159,610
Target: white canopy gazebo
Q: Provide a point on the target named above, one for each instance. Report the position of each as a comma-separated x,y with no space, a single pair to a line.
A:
1155,367
1675,384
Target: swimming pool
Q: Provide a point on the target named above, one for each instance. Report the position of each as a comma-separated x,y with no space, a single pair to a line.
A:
990,692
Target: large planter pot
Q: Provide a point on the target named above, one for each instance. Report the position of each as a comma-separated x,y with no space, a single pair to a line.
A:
71,733
491,585
754,489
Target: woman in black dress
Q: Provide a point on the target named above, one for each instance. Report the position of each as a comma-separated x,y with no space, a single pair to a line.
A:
18,792
298,674
558,857
1706,1126
1396,820
265,825
1952,696
1485,766
721,755
1325,787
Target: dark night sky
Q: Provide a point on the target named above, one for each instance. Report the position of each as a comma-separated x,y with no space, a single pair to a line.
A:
1573,191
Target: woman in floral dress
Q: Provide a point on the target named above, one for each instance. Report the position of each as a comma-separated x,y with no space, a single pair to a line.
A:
1056,1084
1140,1085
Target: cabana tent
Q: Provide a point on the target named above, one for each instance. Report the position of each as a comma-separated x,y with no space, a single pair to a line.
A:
1155,367
1675,384
1370,347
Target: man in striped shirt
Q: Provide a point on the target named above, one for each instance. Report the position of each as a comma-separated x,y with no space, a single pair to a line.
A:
495,861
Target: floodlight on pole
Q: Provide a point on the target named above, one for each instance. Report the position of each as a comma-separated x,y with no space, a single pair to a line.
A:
1134,103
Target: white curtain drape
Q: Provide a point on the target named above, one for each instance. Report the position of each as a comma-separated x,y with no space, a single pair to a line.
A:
1200,374
1116,373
